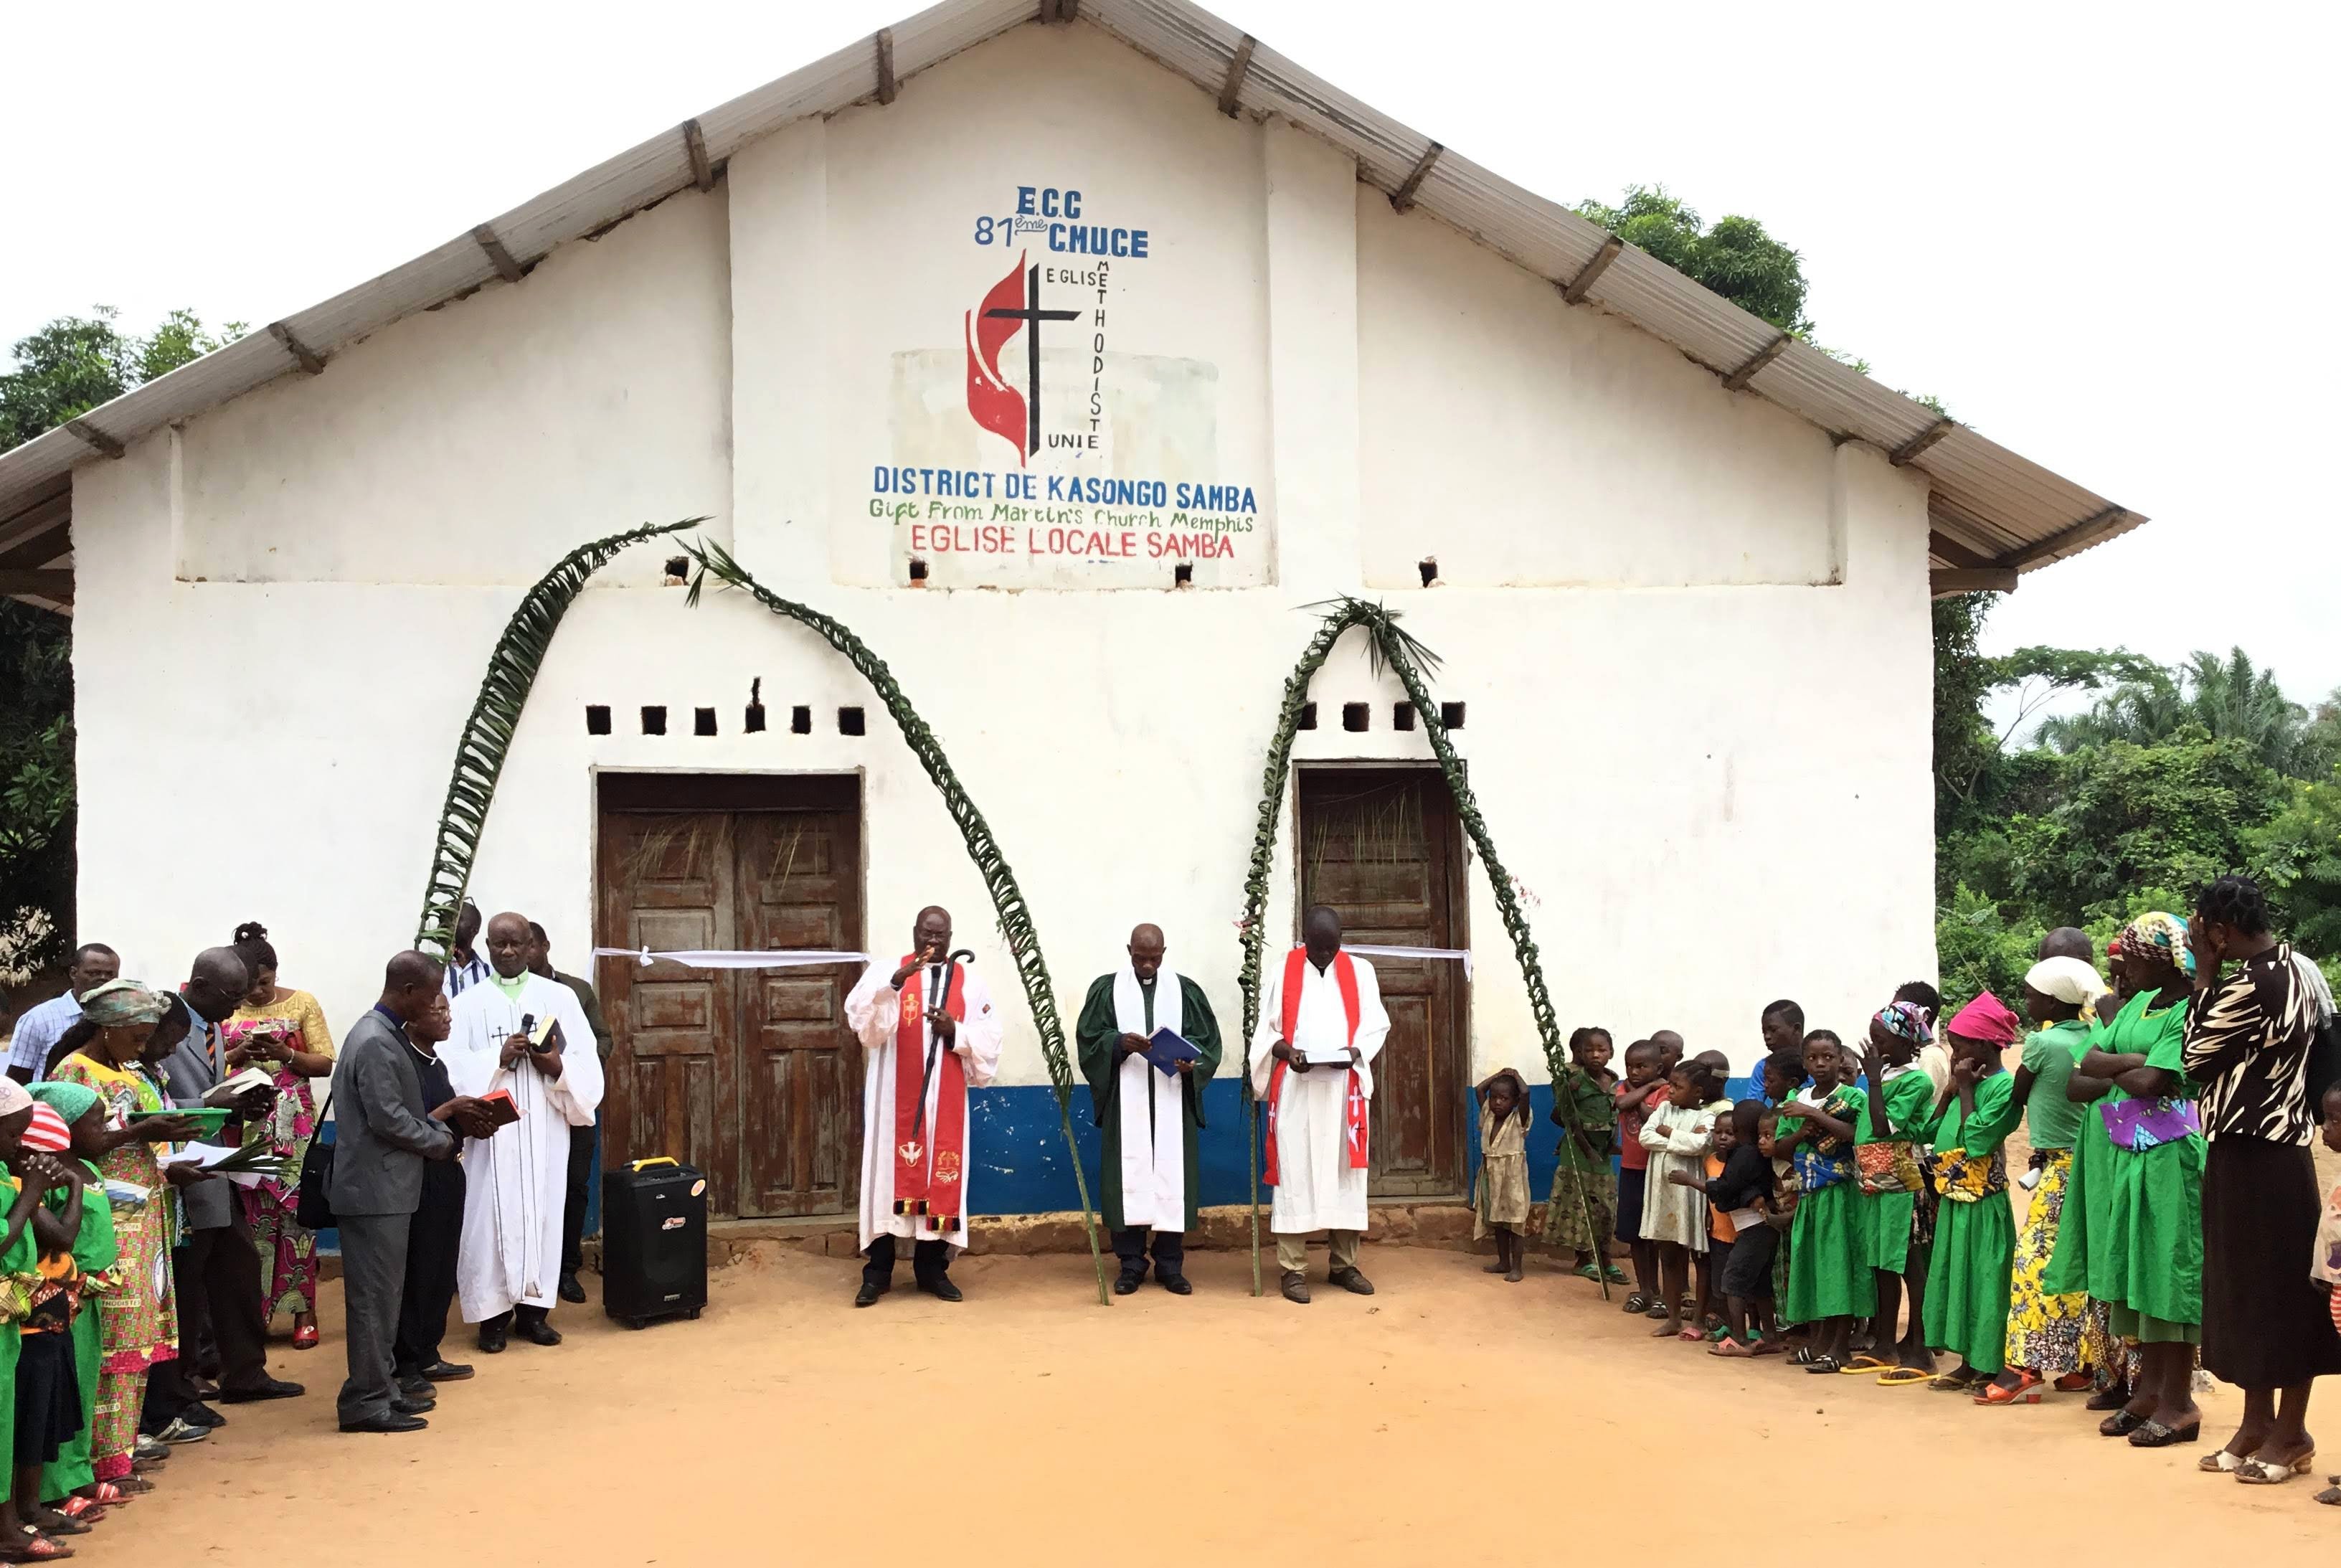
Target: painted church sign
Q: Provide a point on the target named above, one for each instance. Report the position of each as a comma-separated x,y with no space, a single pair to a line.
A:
1065,449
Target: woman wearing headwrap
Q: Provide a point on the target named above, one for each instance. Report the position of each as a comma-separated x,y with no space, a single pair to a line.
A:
2050,1335
70,1483
2138,1245
18,1261
138,1324
1975,1230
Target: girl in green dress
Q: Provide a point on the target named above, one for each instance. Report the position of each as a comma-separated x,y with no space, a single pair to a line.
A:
1975,1230
2142,1248
1830,1281
1901,1104
2088,1189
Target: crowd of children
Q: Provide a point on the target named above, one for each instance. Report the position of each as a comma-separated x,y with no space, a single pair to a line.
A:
1857,1217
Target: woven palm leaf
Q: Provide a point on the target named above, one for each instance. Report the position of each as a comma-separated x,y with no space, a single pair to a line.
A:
495,715
1015,916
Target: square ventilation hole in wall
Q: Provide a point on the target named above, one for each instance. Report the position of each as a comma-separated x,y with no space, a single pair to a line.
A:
654,721
702,721
918,570
1356,717
1429,568
1182,576
752,721
597,718
1401,715
678,567
1451,715
1308,715
800,721
849,721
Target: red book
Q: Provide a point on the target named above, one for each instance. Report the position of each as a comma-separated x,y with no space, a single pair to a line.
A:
500,1104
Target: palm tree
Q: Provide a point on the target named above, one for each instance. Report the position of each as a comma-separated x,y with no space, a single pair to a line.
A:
2229,699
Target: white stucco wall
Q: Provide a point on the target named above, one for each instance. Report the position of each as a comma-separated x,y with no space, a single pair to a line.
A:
1711,777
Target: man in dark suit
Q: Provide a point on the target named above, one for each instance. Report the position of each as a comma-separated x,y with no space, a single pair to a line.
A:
382,1133
217,1265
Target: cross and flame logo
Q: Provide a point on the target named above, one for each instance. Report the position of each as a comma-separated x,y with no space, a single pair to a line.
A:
1011,305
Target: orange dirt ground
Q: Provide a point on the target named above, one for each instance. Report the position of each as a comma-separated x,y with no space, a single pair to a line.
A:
1450,1419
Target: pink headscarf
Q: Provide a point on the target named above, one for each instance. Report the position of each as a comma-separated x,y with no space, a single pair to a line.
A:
1987,1019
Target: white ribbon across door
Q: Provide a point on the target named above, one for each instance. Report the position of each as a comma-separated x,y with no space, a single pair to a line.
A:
713,958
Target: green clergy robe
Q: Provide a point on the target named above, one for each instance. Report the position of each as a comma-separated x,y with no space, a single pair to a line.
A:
1098,1038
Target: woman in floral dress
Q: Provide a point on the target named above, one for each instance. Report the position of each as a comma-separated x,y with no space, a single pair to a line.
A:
282,1032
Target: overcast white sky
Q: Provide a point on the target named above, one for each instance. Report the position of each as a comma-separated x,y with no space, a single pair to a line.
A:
2093,230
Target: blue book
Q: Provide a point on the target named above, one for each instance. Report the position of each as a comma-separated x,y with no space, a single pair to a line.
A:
1167,1050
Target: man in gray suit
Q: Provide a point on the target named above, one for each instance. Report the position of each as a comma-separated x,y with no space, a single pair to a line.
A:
217,1265
383,1132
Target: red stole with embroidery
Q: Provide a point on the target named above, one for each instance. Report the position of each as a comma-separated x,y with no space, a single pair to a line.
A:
1345,978
929,1160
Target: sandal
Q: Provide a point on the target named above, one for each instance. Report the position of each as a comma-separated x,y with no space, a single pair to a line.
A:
105,1492
1823,1365
305,1338
1864,1365
2258,1471
2026,1390
1801,1356
1694,1335
1959,1381
1730,1349
2154,1434
35,1548
133,1484
1637,1304
1616,1275
1903,1377
1768,1347
2120,1423
2074,1383
81,1508
2331,1496
2220,1463
1587,1272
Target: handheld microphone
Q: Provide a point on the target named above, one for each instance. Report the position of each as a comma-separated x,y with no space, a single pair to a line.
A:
528,1029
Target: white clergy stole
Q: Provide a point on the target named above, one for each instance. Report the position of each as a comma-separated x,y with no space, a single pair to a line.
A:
1153,1108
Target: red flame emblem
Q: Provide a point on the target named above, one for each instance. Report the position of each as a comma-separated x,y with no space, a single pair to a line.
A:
994,404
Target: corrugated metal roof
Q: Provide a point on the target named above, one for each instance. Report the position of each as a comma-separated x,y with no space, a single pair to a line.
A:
1990,506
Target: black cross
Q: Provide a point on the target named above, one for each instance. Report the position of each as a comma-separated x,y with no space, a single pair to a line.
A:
1033,315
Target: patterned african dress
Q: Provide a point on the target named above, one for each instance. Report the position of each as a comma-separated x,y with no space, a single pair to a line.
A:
1908,1095
19,1272
1975,1228
288,1255
1582,1213
137,1322
2050,1333
1500,1197
1828,1243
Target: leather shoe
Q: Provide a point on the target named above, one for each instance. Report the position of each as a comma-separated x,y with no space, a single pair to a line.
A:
868,1294
445,1371
1126,1284
1296,1287
1176,1284
266,1388
389,1420
1353,1282
492,1339
536,1330
201,1414
405,1406
570,1291
940,1288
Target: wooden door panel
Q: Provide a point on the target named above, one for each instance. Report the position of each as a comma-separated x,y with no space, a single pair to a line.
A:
800,879
1382,847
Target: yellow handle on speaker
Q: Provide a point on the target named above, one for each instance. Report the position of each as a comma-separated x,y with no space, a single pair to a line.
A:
639,1166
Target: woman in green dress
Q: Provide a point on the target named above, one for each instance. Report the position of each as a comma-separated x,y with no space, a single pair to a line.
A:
70,1475
1901,1105
2088,1189
1975,1232
1830,1281
2142,1249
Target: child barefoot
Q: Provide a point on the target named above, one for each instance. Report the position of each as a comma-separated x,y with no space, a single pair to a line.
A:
1644,1088
1674,1215
1582,1213
1830,1281
1502,1193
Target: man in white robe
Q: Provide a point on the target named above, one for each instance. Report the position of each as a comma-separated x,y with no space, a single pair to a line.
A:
1321,1025
524,1034
932,1033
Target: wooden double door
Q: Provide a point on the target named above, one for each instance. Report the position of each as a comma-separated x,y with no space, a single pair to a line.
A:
749,1074
1384,847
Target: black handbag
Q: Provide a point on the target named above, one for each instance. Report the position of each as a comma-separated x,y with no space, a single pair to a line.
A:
315,1207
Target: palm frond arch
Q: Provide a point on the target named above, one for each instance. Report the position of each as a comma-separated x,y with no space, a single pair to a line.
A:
1406,656
1013,915
487,737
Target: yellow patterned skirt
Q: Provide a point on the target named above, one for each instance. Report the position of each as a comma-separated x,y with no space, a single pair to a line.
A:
2052,1335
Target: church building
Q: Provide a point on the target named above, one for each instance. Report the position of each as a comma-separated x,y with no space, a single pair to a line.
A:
1075,356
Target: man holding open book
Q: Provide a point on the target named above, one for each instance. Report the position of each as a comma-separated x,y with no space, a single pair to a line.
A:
1148,1046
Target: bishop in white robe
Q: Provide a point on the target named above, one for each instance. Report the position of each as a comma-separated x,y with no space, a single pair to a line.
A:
515,1182
1321,1025
931,1033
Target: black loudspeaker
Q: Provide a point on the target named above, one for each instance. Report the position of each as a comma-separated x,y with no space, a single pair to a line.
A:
653,1242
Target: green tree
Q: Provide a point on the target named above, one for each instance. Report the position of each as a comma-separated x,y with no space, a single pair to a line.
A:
1735,257
2298,856
63,369
2230,698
